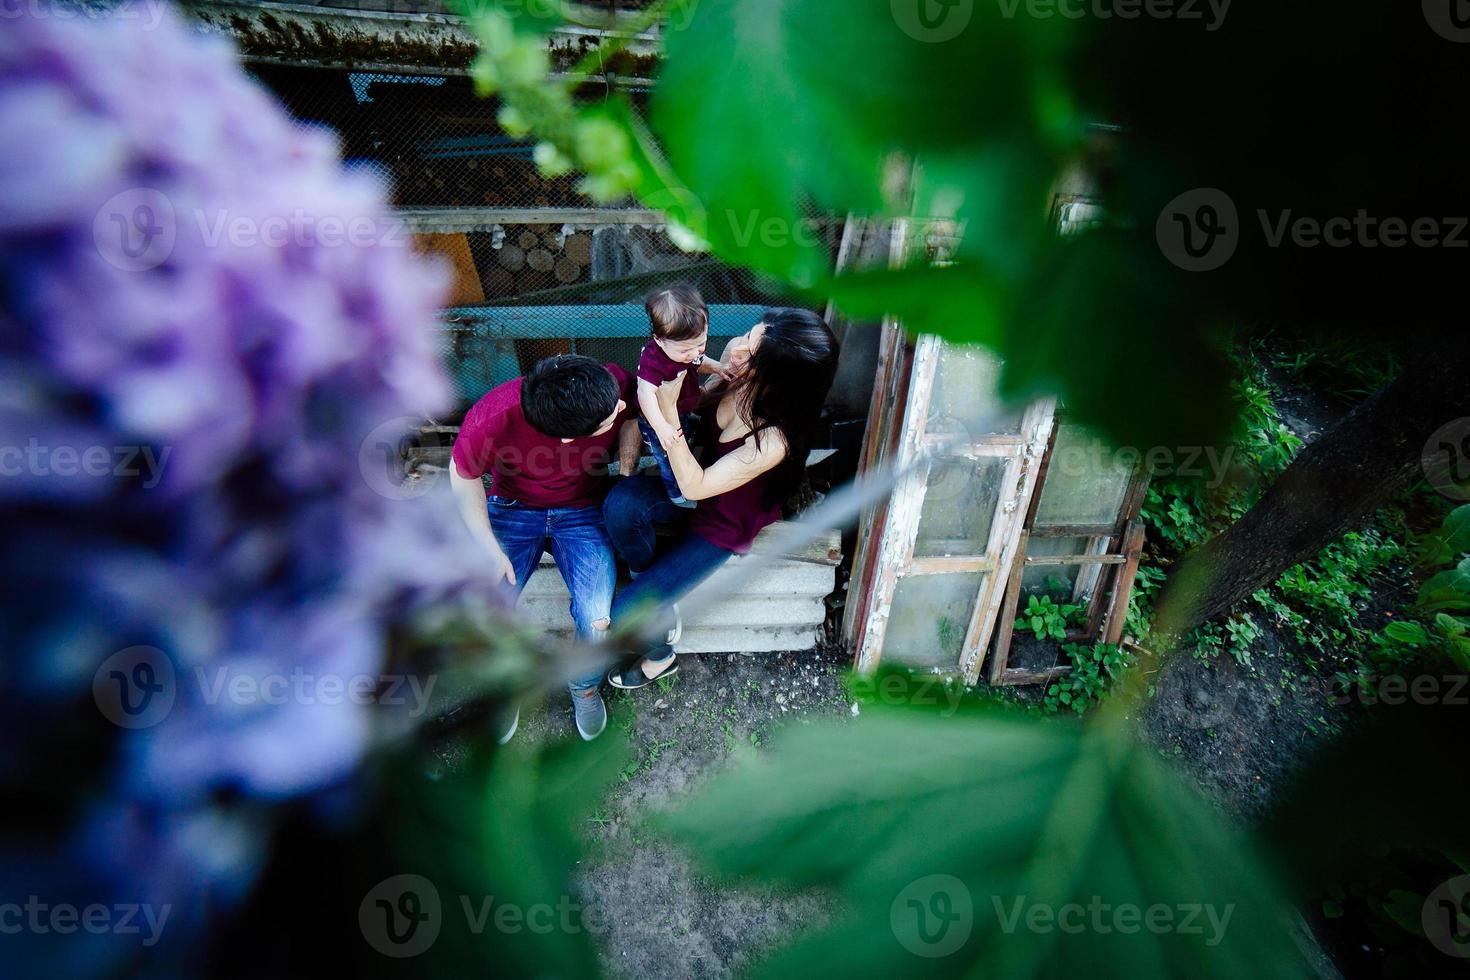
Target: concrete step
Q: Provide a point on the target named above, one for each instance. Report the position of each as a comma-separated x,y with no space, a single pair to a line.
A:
744,610
742,639
779,609
782,577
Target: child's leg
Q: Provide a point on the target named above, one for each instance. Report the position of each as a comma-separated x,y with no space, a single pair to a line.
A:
671,482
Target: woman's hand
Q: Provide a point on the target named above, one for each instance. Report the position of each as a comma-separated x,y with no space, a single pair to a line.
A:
668,398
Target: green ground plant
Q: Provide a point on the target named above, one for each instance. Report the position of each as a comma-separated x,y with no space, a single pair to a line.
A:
1047,619
1093,670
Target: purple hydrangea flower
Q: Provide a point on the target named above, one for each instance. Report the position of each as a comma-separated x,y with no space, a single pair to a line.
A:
202,317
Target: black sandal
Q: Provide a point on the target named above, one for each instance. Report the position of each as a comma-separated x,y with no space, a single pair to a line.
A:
632,677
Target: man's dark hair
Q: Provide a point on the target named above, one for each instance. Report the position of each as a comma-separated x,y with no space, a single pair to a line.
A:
677,312
568,396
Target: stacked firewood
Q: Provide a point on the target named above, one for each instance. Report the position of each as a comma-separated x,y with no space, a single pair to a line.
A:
536,257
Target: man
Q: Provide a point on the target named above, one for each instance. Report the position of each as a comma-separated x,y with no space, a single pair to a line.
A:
546,440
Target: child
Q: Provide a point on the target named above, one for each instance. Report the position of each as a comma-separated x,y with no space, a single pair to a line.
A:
680,323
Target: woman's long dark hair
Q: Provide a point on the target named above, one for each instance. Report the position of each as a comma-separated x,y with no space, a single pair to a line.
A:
785,388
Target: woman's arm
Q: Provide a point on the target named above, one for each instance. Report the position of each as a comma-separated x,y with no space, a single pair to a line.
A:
734,470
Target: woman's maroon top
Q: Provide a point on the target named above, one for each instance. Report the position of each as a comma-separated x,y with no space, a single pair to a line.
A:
733,519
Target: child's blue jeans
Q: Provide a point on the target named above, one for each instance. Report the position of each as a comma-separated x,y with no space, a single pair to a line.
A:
671,482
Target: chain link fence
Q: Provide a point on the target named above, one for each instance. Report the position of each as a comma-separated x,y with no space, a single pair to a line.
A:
539,268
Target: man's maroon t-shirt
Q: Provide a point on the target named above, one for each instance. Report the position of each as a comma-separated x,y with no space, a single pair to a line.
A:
656,367
529,466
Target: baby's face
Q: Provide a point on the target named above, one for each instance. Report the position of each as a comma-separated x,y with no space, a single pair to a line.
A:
689,351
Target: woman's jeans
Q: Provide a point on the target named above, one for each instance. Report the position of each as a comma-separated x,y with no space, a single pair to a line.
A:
636,506
579,543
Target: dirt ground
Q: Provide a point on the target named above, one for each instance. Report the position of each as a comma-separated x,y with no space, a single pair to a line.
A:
666,920
1237,731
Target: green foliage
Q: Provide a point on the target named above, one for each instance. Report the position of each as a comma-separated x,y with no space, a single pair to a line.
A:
1014,814
509,826
1233,635
1047,619
1094,670
1433,631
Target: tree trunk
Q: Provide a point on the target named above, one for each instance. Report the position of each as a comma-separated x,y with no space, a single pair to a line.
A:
1333,486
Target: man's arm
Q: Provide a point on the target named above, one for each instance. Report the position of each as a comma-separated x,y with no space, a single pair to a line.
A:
469,496
630,447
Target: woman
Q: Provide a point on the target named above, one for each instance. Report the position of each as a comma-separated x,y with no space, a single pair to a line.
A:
756,440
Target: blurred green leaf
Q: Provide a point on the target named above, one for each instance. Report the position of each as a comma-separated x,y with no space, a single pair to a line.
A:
506,830
987,822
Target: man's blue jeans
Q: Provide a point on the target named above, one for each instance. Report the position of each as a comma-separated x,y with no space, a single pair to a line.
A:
634,510
578,541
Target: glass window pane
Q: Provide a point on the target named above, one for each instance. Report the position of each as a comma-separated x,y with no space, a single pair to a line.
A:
966,398
1085,481
959,506
928,619
1057,581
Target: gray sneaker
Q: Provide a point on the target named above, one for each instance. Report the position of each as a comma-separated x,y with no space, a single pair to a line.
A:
510,729
591,714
